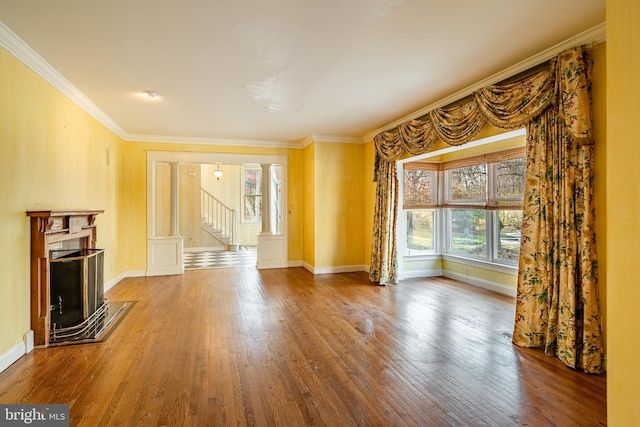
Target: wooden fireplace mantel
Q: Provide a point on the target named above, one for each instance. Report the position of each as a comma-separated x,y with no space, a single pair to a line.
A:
49,227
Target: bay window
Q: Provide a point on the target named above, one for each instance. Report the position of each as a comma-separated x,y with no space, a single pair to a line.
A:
475,202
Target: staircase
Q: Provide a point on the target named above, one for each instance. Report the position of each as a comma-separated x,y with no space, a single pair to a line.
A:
219,220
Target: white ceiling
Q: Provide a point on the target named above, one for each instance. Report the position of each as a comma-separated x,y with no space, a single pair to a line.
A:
282,70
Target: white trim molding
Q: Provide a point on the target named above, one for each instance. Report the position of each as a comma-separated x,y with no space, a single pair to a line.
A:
132,273
10,356
335,269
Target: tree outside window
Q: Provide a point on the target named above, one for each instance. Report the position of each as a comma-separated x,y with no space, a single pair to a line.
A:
252,194
420,197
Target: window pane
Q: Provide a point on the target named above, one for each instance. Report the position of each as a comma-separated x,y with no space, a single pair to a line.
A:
468,232
510,229
510,176
252,181
468,183
252,208
419,230
419,188
252,191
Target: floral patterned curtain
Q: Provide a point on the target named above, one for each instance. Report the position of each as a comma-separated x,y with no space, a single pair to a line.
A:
384,260
557,302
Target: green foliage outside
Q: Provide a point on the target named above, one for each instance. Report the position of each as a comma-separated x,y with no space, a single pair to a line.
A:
420,230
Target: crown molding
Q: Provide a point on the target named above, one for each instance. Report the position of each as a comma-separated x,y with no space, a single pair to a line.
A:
23,52
340,139
596,35
212,141
333,139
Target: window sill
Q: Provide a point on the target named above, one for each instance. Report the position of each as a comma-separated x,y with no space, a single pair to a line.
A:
422,257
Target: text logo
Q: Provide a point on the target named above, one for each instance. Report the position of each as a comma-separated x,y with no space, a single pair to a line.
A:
34,415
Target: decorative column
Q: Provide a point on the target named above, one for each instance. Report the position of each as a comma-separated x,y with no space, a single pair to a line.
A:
272,248
174,199
266,199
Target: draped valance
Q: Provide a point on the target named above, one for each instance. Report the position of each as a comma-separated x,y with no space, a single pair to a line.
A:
507,106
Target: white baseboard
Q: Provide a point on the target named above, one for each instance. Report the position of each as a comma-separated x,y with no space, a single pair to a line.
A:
206,248
293,264
269,265
165,271
481,283
416,274
333,270
131,273
10,356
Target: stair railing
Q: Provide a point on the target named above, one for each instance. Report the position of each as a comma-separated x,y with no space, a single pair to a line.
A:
219,220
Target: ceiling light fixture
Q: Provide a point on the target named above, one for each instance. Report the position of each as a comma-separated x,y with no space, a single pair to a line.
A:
217,173
150,93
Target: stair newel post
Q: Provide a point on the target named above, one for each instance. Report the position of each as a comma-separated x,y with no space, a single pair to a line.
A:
235,224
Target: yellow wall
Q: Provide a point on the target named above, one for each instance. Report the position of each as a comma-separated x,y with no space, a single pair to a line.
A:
339,201
54,156
309,205
622,208
420,266
132,209
295,204
492,276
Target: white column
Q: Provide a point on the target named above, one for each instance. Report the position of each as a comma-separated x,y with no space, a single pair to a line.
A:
174,199
266,199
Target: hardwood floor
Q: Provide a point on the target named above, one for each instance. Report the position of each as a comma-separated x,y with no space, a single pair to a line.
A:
283,347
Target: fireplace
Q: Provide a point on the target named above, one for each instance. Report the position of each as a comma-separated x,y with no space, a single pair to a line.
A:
76,293
67,290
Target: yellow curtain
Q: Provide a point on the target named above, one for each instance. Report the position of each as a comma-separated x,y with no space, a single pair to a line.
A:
557,302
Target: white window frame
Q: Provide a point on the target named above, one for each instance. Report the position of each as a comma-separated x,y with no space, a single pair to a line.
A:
258,218
441,229
434,234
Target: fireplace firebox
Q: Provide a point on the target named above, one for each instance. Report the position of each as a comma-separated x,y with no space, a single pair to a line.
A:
77,305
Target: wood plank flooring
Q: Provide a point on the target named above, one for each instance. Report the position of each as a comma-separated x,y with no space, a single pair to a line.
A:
235,347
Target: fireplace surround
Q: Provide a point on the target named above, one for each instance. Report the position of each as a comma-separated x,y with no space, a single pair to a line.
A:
81,314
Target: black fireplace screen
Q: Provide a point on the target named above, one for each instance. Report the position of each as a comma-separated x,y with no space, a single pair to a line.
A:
76,288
